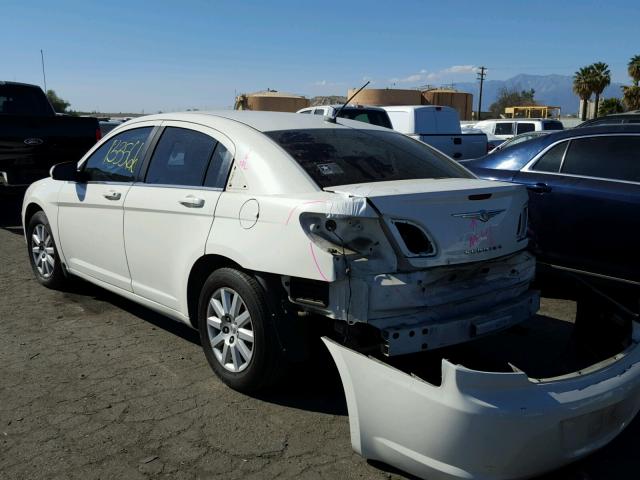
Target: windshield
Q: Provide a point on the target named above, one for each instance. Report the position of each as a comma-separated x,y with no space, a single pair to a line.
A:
341,156
374,117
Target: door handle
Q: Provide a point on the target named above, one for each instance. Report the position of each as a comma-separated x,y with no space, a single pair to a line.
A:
539,188
192,202
112,195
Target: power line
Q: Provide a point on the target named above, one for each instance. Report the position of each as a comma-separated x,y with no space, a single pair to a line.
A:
481,74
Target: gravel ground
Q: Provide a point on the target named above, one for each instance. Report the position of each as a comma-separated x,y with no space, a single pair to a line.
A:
93,386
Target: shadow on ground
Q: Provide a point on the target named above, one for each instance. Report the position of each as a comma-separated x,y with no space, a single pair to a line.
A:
10,207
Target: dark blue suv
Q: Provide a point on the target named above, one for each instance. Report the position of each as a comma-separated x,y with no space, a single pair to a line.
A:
584,198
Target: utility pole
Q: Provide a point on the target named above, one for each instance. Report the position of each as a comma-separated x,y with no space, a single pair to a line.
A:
481,74
43,74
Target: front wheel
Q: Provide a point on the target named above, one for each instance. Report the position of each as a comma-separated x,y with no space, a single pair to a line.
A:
237,332
43,254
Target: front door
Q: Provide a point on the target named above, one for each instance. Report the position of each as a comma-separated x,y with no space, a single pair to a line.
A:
91,215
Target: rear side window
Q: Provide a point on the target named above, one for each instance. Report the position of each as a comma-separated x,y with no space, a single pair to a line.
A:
119,158
23,100
374,117
551,161
218,167
504,128
552,125
180,158
342,156
616,157
525,127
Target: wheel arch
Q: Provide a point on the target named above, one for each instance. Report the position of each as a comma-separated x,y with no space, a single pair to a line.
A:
30,210
200,270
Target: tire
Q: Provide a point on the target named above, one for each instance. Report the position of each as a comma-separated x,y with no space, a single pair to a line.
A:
239,343
43,252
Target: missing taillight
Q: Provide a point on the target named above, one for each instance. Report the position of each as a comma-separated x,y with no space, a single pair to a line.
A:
414,239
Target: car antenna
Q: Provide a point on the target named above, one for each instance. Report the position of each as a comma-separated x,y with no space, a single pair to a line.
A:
332,118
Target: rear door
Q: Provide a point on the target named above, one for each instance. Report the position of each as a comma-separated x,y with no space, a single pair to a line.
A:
168,216
605,222
90,213
552,198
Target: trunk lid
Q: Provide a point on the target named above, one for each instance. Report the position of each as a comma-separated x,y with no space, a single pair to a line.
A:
464,220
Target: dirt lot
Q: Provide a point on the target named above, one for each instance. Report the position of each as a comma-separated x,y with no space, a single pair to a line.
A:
93,386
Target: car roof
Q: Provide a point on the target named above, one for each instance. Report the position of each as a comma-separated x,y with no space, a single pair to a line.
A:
263,121
518,155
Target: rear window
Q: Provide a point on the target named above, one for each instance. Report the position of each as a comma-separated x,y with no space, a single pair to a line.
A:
341,156
23,100
552,125
374,117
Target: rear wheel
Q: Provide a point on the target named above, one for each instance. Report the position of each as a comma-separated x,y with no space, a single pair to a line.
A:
43,253
237,332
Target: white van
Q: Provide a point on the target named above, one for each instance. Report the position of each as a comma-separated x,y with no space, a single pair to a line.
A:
439,127
509,127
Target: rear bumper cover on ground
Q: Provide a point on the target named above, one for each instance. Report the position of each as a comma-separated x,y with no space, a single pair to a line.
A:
485,425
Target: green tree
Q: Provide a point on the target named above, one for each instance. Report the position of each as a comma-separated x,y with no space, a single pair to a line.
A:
609,106
582,87
600,79
59,105
631,97
511,97
634,69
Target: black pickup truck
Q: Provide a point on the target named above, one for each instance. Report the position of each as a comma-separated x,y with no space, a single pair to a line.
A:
33,137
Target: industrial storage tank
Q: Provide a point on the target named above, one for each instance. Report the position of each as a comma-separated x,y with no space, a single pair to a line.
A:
385,96
461,101
271,101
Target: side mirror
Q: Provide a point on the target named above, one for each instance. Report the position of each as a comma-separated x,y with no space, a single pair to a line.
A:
67,171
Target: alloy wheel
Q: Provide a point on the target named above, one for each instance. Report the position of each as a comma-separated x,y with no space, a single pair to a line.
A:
42,251
230,329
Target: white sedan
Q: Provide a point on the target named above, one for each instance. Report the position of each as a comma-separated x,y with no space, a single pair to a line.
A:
253,226
258,228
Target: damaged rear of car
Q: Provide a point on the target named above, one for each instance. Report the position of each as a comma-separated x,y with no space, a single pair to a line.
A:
424,255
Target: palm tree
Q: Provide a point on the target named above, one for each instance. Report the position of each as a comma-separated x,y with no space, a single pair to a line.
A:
600,79
634,69
583,88
631,97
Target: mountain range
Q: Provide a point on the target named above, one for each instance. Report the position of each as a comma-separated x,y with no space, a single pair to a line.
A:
552,90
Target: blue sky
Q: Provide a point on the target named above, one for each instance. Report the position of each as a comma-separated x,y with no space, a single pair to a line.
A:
161,55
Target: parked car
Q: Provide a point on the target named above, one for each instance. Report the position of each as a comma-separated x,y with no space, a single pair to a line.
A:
33,137
615,119
584,197
361,113
523,137
439,127
240,223
508,127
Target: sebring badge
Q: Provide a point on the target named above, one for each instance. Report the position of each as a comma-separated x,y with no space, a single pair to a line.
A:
33,141
482,215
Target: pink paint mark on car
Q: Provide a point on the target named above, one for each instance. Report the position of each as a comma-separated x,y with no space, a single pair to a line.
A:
315,260
301,204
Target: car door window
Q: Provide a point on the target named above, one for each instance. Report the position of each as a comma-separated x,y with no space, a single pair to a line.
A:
119,158
504,128
218,170
551,161
180,158
616,157
525,127
318,111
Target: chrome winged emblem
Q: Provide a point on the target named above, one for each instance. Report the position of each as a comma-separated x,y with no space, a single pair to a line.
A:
482,215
